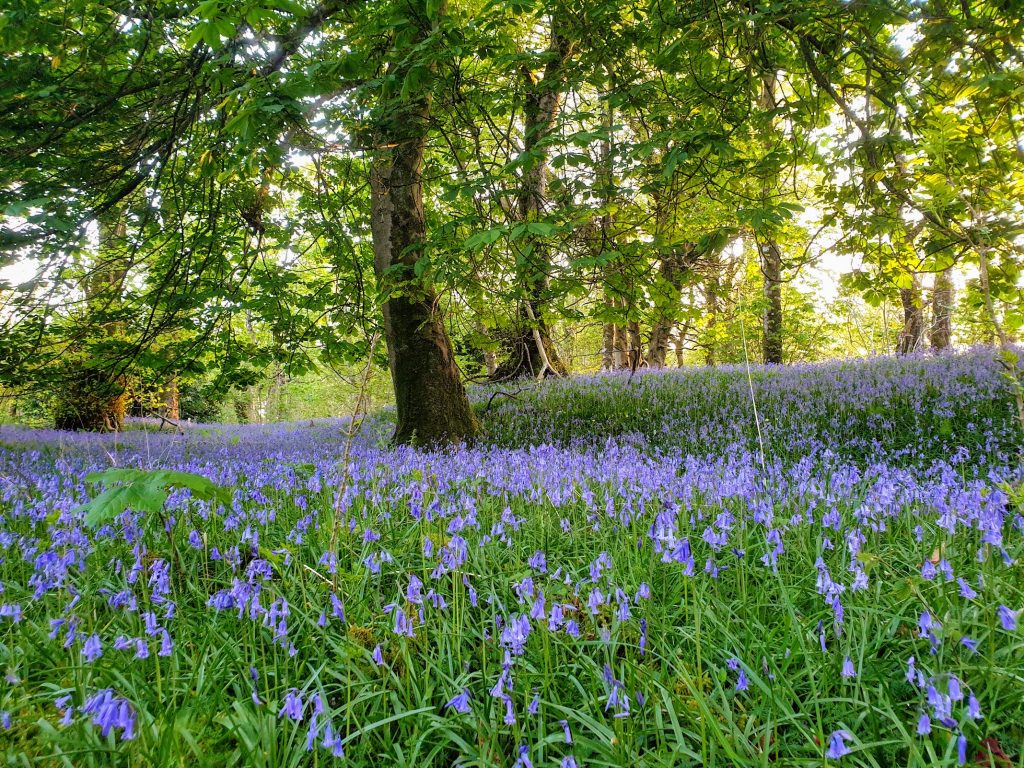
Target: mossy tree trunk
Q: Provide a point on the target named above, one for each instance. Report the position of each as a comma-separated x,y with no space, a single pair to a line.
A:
430,399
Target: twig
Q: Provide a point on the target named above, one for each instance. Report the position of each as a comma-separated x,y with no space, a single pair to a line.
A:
353,430
165,420
496,394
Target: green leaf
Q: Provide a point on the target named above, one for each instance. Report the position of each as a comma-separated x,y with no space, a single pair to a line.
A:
485,238
144,491
542,228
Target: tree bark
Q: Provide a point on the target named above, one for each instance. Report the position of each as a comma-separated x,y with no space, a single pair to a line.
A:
771,268
608,345
673,267
489,355
767,246
543,103
614,335
943,296
430,399
172,409
680,347
712,308
912,335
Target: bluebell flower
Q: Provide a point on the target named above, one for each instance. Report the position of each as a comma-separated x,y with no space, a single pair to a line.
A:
973,708
1007,618
924,724
742,683
109,712
333,741
966,590
92,649
848,669
292,705
837,744
459,702
565,730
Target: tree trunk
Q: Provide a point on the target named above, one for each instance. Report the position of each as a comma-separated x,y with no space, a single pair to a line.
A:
172,409
430,400
666,292
620,355
680,345
912,335
608,345
767,246
543,102
771,268
489,355
942,311
93,397
712,308
614,336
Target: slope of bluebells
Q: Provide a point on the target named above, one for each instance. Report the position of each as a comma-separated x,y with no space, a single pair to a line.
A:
900,410
617,577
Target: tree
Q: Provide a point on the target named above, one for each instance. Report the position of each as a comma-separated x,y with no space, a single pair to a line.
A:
431,402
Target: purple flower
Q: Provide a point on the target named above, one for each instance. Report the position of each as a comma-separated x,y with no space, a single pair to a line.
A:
848,669
333,741
955,692
966,590
566,731
460,702
741,681
973,708
92,649
111,712
378,656
1007,618
166,645
534,705
524,757
837,744
924,724
292,705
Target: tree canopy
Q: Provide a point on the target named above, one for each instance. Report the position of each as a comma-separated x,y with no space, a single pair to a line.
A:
211,190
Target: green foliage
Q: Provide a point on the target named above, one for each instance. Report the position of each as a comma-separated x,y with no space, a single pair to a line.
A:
197,202
143,491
